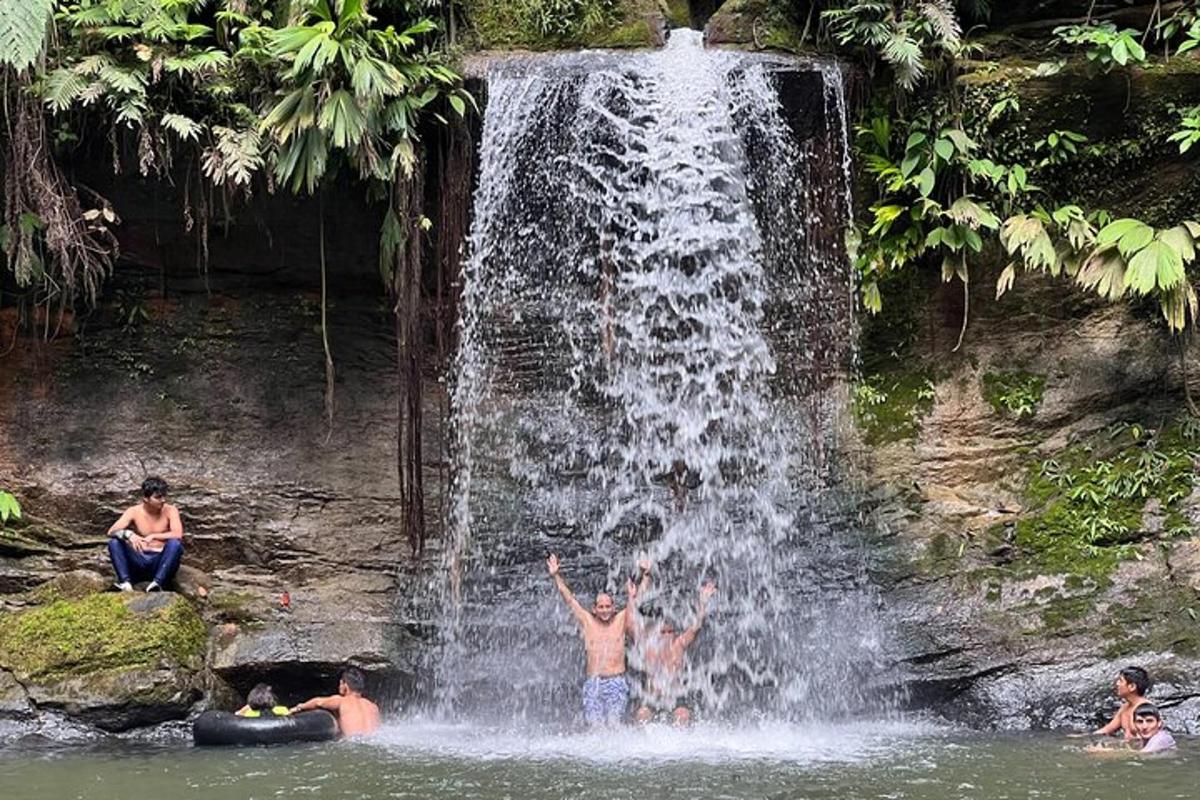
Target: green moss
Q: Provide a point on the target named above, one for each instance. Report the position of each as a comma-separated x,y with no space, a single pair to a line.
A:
1087,503
239,607
98,633
1162,618
553,24
678,13
1014,394
889,407
758,24
1060,614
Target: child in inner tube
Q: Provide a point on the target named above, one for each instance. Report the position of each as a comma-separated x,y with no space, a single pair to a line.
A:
262,702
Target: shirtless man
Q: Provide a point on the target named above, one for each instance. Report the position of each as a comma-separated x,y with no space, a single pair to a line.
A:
662,658
357,716
605,692
1131,687
147,540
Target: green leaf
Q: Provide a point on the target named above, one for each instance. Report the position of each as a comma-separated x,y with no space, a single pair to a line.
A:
915,138
23,25
926,182
1180,240
1155,264
9,507
944,148
459,106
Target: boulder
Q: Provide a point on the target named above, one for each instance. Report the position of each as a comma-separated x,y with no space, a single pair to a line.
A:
113,660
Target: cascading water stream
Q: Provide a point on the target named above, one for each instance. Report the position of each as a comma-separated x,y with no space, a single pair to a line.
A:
656,317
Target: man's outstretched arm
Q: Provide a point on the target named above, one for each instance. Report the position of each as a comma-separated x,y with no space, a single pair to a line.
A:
333,703
688,636
578,611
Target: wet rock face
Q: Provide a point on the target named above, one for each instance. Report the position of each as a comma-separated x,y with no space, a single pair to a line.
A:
222,396
997,628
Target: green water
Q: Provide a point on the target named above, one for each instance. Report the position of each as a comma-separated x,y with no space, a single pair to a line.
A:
428,761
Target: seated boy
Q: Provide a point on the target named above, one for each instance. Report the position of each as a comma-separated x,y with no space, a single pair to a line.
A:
1150,730
147,540
262,701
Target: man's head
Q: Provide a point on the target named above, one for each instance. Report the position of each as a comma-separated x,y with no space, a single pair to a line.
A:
604,609
1147,720
261,698
154,492
1133,681
352,682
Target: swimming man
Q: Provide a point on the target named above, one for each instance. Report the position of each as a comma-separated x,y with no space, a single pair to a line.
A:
1131,687
1149,724
357,716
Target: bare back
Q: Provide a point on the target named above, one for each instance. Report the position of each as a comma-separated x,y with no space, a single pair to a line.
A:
605,645
357,716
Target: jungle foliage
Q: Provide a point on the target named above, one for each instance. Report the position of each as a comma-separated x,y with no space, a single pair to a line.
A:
947,194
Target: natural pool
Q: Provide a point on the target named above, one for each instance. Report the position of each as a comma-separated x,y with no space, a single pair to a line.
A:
426,760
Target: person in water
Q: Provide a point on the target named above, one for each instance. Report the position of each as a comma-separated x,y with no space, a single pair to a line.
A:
1152,734
147,540
662,661
357,716
605,691
261,702
1132,685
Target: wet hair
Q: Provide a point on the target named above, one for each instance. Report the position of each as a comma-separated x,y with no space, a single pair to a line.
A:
262,698
1147,710
154,485
354,679
1138,677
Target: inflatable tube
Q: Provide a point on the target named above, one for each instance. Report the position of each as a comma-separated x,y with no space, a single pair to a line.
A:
222,728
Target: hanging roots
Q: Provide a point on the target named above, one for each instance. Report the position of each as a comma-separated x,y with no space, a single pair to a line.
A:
54,245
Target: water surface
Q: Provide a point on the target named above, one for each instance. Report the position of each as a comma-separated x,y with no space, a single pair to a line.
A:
425,760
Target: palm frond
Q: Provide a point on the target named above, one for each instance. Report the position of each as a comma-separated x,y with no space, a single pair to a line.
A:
23,26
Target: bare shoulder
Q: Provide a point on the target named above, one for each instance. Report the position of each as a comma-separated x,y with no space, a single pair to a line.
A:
171,509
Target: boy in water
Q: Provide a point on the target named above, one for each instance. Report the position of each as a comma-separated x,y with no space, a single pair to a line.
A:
1150,730
261,702
1133,683
356,714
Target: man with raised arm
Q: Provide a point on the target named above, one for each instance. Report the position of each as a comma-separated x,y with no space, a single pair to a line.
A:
662,658
606,691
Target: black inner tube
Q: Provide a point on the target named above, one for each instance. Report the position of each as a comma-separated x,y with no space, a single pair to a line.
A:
222,728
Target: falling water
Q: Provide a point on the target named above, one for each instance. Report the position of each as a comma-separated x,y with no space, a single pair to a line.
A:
656,323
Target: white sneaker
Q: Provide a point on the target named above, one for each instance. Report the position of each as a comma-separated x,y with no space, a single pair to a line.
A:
153,587
124,586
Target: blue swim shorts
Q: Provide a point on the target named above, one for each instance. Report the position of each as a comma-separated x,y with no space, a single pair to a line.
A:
605,699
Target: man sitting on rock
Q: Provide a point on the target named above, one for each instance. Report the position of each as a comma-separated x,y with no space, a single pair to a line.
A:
357,716
147,540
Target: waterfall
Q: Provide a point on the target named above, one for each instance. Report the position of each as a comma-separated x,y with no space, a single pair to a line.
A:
656,325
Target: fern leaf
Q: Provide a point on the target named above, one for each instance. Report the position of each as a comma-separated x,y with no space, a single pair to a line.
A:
185,128
61,88
23,25
941,17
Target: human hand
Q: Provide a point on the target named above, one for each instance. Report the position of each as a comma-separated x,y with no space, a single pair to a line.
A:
631,589
552,565
138,542
707,591
644,565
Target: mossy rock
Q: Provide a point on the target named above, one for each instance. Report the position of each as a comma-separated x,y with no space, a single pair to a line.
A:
756,25
100,633
889,406
543,25
1014,394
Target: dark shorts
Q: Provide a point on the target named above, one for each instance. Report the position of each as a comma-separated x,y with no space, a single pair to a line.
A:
605,699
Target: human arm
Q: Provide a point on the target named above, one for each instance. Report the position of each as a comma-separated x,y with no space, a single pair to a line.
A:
578,611
688,636
1112,727
122,524
333,703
